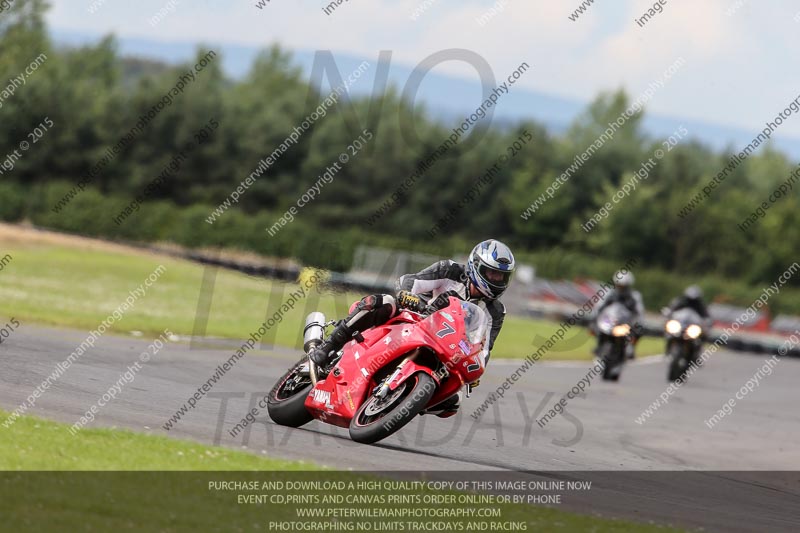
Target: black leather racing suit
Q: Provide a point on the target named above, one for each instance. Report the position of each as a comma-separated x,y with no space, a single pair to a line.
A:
439,278
447,275
692,303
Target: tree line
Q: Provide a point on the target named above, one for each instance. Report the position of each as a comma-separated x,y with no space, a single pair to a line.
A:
94,96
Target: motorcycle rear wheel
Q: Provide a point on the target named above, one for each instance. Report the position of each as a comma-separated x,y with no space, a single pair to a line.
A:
373,421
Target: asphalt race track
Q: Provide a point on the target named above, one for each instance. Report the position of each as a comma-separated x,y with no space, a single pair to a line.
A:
597,433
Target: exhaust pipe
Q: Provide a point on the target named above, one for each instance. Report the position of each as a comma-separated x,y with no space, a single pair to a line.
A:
314,331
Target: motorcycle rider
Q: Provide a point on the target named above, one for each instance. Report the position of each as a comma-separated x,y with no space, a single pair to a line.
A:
624,293
692,298
483,279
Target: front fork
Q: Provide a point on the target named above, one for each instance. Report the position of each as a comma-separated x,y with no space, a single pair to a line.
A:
386,386
407,368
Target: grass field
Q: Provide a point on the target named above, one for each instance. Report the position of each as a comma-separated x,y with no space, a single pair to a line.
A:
79,282
162,484
35,444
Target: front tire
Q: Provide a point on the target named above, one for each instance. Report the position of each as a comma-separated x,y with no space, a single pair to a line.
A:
612,363
287,399
375,421
678,363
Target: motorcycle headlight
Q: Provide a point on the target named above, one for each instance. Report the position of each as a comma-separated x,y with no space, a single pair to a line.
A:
693,331
673,327
621,330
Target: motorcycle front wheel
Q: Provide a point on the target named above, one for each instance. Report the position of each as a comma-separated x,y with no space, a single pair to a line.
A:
677,364
613,357
377,418
286,402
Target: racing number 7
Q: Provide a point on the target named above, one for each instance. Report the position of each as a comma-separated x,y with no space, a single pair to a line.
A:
446,330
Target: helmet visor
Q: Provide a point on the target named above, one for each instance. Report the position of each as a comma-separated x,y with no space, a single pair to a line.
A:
497,279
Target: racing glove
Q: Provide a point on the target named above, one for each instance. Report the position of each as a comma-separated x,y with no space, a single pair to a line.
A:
409,300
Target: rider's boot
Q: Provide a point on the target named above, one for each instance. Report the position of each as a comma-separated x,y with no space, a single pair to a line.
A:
446,408
366,313
322,354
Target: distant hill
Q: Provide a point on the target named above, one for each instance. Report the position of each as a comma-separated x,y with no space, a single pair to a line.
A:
134,68
446,97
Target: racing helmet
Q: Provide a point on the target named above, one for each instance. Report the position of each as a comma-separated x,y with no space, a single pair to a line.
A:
693,292
489,268
623,281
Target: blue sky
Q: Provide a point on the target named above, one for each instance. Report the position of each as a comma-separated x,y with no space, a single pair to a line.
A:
741,55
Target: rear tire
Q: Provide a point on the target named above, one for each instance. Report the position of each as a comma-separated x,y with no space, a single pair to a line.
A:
367,429
286,402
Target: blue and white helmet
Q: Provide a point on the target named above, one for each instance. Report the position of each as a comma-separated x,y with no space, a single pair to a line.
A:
489,268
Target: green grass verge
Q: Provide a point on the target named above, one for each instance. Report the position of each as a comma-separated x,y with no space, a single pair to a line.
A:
523,336
79,288
35,444
133,499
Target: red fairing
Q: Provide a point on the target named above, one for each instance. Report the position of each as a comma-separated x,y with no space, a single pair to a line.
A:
336,399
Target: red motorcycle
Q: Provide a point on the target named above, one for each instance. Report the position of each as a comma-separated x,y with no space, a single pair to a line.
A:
386,375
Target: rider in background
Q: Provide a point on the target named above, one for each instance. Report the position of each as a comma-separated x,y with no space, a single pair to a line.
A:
692,298
624,293
483,279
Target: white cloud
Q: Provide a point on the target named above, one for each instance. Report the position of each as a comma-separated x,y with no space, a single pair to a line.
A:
738,68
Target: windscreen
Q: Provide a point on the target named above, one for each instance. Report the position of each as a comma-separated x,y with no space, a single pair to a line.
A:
477,324
614,314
